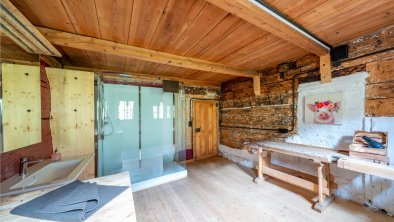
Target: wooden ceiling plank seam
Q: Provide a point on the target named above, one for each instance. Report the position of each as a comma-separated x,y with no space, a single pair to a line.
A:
108,47
176,27
328,10
211,43
84,18
185,15
342,40
153,34
187,28
128,32
200,38
206,34
99,28
342,23
251,48
11,15
78,16
296,8
224,56
180,35
55,14
242,41
85,53
275,47
209,33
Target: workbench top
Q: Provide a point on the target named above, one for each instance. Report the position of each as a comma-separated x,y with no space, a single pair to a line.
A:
325,155
121,208
299,150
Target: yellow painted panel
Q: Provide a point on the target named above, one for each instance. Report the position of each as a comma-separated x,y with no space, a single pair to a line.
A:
21,106
72,111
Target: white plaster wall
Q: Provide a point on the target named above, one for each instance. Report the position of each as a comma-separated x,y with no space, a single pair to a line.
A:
333,136
364,189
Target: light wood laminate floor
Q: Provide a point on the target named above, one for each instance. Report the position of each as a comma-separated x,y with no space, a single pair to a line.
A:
219,190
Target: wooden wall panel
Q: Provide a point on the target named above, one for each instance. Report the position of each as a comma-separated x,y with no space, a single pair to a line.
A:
379,107
9,161
380,88
22,106
72,111
380,71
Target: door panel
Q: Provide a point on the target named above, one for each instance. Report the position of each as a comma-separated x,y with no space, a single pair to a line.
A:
205,129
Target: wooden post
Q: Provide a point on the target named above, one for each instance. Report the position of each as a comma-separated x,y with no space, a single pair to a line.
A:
325,68
256,85
259,177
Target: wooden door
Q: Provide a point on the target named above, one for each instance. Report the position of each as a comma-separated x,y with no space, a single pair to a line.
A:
205,129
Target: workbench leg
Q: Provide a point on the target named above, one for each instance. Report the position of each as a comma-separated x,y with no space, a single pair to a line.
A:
259,177
323,173
267,159
264,161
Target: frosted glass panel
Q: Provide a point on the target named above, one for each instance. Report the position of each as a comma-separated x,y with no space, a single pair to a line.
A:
120,151
138,127
156,131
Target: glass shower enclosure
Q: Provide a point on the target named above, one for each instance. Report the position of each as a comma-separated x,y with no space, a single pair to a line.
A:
137,132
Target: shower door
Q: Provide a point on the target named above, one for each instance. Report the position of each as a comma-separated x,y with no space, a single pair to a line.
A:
138,131
120,145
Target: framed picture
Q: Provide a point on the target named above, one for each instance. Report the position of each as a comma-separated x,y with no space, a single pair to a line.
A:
324,108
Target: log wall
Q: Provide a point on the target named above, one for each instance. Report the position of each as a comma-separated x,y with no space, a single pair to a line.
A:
247,118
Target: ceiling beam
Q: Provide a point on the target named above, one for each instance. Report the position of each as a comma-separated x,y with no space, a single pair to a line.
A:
119,49
142,76
264,17
116,74
15,25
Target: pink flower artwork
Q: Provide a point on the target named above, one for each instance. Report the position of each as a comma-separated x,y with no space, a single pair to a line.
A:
324,109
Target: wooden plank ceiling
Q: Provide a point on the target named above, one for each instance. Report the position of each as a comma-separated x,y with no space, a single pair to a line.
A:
198,29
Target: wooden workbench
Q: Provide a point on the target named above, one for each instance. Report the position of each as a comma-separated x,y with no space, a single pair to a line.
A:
319,155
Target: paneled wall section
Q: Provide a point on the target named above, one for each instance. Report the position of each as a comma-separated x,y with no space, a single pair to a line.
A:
10,160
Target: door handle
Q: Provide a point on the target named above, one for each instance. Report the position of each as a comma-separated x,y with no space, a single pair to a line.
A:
198,130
